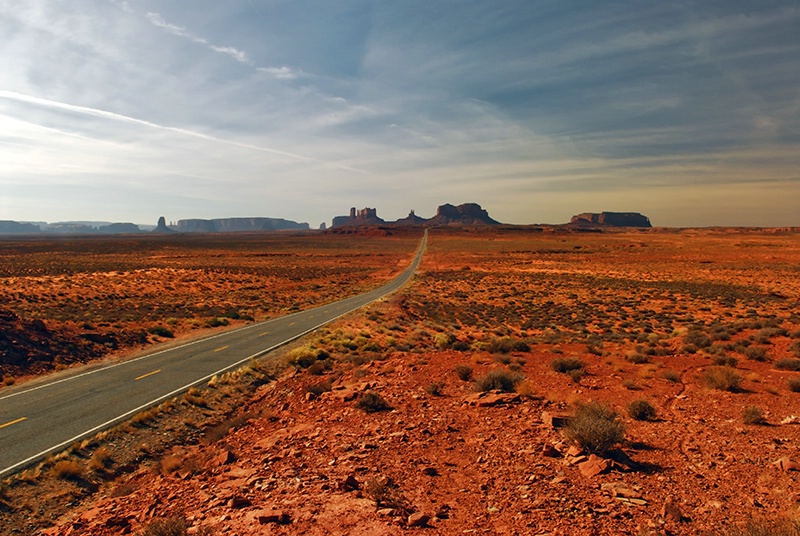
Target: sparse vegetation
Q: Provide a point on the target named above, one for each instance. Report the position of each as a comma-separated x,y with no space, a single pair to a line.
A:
788,364
595,428
170,526
435,388
566,364
753,415
499,380
372,402
464,372
641,410
722,379
161,331
793,384
67,470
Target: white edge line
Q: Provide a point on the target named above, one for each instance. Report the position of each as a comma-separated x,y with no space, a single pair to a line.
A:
120,418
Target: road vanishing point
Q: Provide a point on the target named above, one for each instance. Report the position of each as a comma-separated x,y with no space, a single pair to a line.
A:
41,419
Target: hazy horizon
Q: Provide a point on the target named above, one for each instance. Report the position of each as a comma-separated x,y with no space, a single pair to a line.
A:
687,112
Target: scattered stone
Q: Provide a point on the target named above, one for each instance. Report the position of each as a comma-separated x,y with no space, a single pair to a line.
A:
430,471
275,516
350,484
787,465
483,400
223,458
594,466
555,420
239,502
549,451
792,419
670,511
418,519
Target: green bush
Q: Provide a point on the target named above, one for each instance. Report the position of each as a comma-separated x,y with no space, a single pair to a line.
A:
641,410
722,378
566,364
753,415
161,331
505,345
372,402
788,364
794,385
500,380
464,372
595,428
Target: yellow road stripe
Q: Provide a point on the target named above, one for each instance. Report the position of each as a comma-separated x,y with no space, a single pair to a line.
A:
220,349
13,422
262,334
148,374
293,323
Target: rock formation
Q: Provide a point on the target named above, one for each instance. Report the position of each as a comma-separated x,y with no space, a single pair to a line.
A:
411,219
466,214
119,228
612,219
13,227
162,226
234,225
365,216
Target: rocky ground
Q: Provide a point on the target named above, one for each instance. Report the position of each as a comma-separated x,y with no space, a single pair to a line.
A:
387,422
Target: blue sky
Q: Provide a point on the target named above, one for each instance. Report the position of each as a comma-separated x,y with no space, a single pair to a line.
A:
686,111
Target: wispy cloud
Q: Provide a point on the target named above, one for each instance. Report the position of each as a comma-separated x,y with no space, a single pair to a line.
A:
180,31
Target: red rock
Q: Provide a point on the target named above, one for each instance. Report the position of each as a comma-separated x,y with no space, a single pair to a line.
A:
549,451
349,484
279,517
595,465
787,465
554,420
483,400
670,511
238,502
418,520
430,471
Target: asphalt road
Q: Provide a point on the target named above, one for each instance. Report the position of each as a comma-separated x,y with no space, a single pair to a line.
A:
44,418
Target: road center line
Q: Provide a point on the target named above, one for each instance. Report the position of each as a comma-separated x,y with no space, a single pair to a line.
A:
148,374
262,334
13,422
221,348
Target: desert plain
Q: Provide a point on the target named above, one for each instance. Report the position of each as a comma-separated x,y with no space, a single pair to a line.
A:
529,380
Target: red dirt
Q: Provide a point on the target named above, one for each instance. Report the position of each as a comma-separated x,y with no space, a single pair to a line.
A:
650,313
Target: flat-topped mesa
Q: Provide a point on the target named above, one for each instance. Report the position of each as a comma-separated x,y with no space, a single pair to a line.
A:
467,214
612,219
235,225
364,216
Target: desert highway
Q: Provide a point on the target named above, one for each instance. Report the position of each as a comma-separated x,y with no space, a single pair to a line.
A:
43,418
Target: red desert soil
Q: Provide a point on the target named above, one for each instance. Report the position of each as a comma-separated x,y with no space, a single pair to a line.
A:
377,424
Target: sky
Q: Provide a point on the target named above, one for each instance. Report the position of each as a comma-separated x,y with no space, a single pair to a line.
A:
124,111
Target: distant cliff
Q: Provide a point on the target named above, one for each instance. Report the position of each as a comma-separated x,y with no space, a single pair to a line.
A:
466,214
233,225
13,227
613,219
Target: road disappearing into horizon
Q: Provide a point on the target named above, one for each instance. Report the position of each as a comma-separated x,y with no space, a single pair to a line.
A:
44,418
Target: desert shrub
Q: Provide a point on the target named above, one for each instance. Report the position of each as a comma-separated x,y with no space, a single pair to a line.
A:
788,364
101,458
8,381
444,341
565,364
306,356
756,353
641,410
170,464
595,428
697,339
464,372
576,375
317,389
637,358
194,396
795,347
67,470
753,415
217,321
671,376
725,361
161,331
386,494
461,346
170,526
435,388
505,345
372,402
722,379
794,385
500,380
